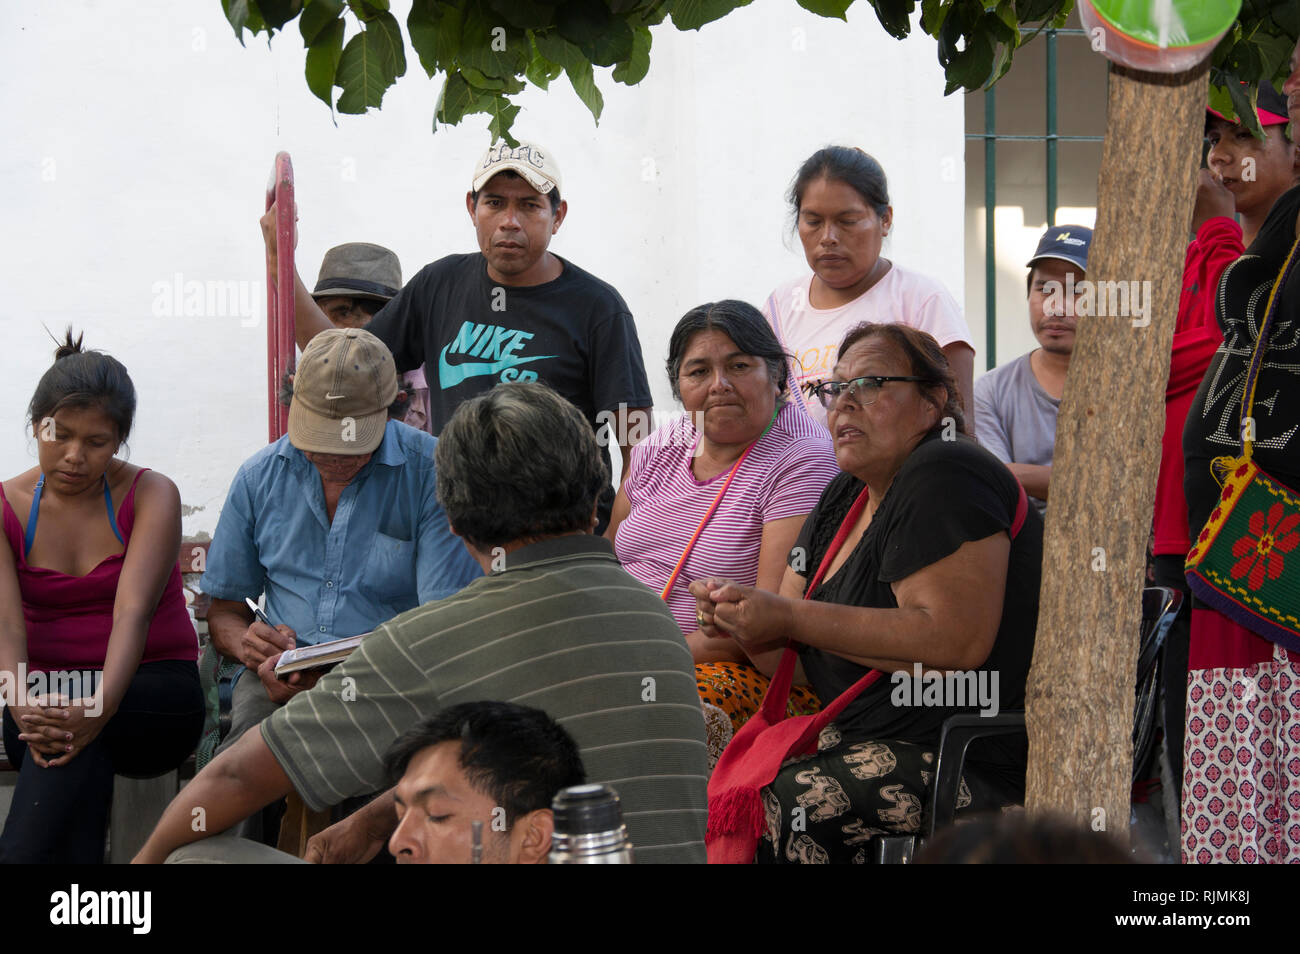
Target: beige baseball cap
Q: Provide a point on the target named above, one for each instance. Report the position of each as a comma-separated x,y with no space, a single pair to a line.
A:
345,382
530,160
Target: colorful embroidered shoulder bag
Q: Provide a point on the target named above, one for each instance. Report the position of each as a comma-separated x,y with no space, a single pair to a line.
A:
1243,562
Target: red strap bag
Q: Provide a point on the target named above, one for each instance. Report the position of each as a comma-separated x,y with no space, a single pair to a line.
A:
769,739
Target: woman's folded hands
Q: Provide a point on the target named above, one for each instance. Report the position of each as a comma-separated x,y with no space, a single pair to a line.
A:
756,618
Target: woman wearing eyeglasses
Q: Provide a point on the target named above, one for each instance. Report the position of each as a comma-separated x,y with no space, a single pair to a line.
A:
724,489
840,203
922,553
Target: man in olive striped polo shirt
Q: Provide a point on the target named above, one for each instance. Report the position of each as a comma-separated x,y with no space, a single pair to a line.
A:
556,624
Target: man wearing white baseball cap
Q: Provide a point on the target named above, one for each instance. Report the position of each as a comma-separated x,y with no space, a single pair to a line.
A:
512,311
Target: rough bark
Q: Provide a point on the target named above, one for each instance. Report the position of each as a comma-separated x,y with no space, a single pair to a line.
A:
1080,694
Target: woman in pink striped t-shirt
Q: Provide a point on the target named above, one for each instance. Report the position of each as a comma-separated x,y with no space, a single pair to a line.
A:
740,432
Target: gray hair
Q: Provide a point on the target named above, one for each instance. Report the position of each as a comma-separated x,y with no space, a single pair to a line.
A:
518,462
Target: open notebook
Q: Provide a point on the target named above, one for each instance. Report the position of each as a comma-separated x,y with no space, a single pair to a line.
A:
320,656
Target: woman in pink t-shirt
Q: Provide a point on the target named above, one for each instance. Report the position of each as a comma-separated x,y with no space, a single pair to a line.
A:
97,652
741,444
840,201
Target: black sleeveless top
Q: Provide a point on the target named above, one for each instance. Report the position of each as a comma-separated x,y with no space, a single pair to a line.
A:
1214,422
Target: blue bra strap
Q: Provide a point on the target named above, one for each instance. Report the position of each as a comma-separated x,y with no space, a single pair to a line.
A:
112,520
31,516
36,509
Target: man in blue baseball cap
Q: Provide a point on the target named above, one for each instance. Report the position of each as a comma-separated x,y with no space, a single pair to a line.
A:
1016,403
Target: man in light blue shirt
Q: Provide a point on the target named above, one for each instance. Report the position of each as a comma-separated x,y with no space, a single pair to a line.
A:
337,522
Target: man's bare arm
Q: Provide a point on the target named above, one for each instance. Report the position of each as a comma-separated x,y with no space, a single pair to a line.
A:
1034,478
357,838
237,783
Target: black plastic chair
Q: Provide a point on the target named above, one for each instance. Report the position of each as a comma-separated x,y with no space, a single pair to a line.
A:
1160,605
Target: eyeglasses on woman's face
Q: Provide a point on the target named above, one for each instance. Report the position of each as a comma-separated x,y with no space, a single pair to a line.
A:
861,391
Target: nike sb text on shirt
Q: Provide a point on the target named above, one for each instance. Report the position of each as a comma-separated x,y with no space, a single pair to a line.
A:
574,333
499,346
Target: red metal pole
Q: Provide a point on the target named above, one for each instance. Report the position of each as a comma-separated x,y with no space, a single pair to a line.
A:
279,295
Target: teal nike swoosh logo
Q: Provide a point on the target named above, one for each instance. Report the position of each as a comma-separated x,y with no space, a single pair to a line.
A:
450,375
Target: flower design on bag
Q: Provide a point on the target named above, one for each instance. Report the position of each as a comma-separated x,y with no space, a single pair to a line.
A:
1259,553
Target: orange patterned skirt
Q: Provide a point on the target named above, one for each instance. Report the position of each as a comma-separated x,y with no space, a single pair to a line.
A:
738,688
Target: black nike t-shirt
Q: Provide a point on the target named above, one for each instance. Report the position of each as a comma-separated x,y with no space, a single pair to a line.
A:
946,493
574,333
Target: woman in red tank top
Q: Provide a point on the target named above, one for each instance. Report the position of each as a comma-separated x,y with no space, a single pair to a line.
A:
97,652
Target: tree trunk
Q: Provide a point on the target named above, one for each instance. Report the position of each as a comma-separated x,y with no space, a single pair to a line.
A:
1080,696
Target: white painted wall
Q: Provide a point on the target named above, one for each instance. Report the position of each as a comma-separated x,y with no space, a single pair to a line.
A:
138,141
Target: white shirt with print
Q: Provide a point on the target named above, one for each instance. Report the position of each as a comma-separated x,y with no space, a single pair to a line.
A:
812,335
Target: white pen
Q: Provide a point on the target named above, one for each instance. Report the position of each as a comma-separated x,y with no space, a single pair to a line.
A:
257,611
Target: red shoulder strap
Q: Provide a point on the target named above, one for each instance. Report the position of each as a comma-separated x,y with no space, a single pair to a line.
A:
126,512
1022,510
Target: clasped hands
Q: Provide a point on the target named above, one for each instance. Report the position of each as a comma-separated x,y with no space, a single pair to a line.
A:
754,618
57,729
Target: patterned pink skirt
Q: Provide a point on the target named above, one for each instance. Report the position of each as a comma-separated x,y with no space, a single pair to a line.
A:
1241,780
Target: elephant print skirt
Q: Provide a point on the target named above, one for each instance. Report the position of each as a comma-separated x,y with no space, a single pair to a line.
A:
825,807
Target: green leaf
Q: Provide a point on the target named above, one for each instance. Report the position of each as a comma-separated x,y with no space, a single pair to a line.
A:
503,113
277,13
491,48
367,10
933,13
652,15
559,50
1001,63
323,62
1232,98
1286,14
693,14
1006,14
971,67
633,69
524,14
895,16
999,31
482,81
584,84
435,30
371,62
540,71
316,16
1036,11
241,14
1221,100
1249,63
588,24
827,8
1274,53
456,99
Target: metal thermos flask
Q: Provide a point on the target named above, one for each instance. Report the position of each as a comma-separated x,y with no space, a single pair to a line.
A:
589,828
